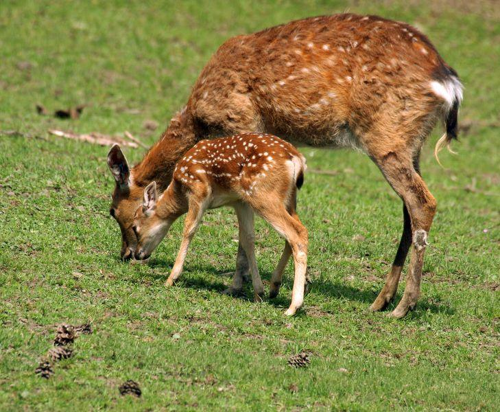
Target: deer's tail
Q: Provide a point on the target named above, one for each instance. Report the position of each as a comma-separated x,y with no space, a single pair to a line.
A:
450,90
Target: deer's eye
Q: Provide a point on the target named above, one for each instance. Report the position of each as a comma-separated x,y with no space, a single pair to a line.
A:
134,228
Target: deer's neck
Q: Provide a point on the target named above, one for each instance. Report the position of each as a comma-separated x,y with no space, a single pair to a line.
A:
158,164
172,203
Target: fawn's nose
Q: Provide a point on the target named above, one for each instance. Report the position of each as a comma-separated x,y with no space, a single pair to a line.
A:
141,255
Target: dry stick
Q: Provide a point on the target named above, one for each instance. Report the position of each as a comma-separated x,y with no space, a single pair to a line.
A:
93,138
129,135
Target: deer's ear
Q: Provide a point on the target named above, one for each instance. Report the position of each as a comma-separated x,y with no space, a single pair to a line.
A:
118,166
150,197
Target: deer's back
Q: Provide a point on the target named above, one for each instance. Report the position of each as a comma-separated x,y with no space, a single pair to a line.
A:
318,80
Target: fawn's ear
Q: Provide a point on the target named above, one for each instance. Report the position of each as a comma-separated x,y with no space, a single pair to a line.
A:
118,166
150,197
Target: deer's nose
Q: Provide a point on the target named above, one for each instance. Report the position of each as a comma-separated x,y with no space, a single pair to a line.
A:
141,255
127,254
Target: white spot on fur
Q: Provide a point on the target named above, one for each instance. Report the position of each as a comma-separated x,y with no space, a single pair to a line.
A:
420,239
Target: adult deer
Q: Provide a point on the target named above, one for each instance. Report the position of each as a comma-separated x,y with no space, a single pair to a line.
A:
335,81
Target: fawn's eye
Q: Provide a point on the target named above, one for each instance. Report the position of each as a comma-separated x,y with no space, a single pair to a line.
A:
134,228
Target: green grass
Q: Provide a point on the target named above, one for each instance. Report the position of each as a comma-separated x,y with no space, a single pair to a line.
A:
130,62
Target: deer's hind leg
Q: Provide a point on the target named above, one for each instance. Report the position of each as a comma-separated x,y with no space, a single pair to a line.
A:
295,234
390,288
403,175
277,276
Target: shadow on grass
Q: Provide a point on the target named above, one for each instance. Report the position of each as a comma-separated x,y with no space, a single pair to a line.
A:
331,289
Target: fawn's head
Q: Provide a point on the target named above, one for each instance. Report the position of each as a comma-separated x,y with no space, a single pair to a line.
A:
126,198
148,227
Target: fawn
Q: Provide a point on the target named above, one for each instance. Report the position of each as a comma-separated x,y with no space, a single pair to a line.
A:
363,82
251,173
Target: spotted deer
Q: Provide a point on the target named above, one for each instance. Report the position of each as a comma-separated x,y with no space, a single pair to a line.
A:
249,172
362,82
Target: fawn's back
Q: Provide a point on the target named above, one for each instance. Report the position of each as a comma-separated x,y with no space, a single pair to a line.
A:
242,167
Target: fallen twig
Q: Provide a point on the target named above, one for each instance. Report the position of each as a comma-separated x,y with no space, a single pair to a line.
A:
129,136
94,138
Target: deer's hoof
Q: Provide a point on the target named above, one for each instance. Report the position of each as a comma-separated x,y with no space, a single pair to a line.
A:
230,291
258,297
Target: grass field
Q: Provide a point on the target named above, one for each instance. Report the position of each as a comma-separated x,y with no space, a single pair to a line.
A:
191,347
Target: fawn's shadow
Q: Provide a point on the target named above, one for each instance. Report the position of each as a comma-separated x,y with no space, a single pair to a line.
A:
332,289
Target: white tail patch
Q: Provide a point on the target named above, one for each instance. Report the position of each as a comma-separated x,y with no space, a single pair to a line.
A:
451,90
298,166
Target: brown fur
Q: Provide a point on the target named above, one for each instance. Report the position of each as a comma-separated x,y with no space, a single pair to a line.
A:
250,172
331,81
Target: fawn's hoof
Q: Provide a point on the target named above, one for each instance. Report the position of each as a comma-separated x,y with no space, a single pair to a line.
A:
399,312
258,297
169,283
378,305
290,311
230,291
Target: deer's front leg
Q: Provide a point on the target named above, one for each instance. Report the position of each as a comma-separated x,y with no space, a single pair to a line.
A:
240,275
247,238
193,219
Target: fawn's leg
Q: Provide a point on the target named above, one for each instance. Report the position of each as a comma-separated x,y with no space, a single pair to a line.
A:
296,235
277,276
193,219
421,208
247,239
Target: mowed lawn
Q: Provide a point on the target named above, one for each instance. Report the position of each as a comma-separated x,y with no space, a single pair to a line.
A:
191,347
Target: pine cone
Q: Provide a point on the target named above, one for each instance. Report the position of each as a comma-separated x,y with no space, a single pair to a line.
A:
85,329
65,335
130,387
60,352
299,361
44,370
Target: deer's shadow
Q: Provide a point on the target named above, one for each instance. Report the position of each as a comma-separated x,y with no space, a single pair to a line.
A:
330,288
